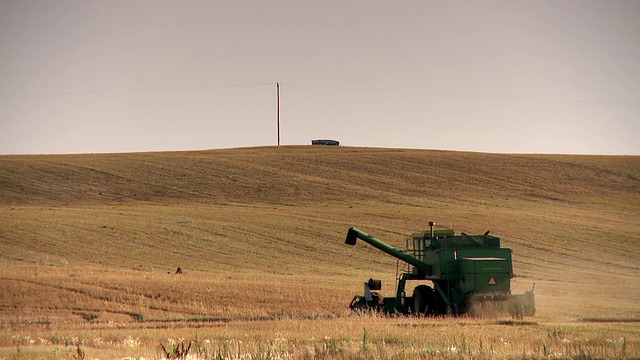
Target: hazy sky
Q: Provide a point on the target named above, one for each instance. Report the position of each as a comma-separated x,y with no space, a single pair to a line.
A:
553,76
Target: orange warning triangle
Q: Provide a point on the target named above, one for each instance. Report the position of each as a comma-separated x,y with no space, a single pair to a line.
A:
492,281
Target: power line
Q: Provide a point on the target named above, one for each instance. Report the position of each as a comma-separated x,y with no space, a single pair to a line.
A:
122,91
450,95
334,87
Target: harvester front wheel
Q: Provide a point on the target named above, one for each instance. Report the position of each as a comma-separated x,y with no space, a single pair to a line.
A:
422,299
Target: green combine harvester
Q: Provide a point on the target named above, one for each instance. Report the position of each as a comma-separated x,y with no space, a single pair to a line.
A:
468,274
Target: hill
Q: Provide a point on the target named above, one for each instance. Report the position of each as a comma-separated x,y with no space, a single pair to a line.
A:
295,175
263,228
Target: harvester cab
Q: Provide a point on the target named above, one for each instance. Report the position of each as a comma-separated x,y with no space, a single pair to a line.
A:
464,274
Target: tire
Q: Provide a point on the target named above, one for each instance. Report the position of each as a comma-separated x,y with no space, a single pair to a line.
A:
376,301
422,299
517,311
358,303
439,306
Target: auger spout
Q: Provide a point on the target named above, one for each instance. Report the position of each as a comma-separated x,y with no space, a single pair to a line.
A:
353,234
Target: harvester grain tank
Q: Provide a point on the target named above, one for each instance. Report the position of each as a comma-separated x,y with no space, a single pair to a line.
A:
468,274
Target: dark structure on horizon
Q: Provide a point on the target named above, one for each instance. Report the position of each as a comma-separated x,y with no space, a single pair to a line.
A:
325,142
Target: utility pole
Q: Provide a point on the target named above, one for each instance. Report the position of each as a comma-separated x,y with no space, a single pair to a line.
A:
278,96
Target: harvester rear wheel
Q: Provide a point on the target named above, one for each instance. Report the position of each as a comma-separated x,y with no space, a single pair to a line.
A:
376,301
422,299
517,311
358,303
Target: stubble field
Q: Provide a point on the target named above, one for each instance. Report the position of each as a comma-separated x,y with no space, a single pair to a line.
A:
89,246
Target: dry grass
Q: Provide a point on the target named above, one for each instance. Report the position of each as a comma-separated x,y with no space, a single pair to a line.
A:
89,245
340,337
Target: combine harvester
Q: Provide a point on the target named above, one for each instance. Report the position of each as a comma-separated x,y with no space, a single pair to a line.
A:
469,274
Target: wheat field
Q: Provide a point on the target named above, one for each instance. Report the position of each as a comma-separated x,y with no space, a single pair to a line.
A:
89,247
